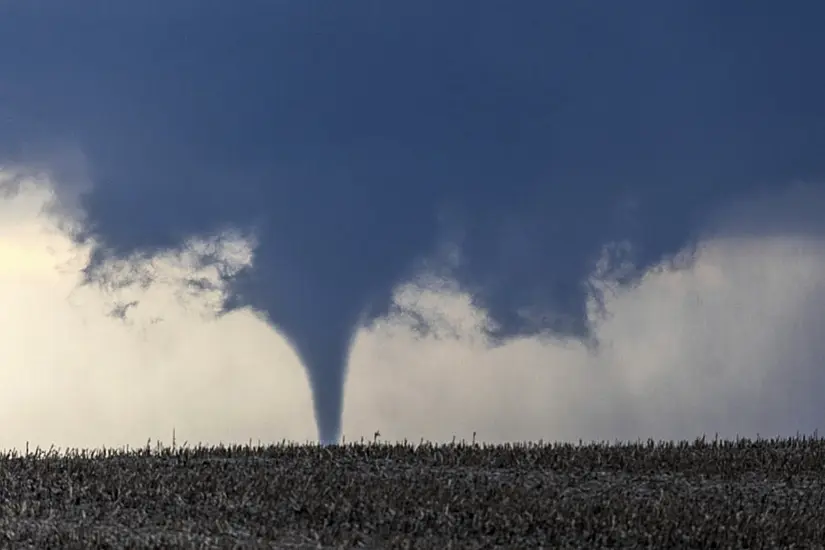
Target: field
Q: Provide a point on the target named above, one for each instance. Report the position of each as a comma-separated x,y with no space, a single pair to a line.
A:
701,494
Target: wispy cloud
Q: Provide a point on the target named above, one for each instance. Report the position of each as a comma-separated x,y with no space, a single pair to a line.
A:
91,365
724,338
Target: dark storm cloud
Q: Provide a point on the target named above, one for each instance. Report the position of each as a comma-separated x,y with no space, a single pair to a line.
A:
340,134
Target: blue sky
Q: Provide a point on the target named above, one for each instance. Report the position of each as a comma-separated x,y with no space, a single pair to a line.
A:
511,158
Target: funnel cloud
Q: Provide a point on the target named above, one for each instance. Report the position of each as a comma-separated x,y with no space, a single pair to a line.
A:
499,215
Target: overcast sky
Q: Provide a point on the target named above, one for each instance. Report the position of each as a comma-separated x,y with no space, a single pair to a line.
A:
295,220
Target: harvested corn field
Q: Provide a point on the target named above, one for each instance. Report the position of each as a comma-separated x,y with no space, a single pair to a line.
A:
702,494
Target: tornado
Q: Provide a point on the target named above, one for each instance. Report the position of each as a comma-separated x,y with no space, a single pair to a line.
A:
353,140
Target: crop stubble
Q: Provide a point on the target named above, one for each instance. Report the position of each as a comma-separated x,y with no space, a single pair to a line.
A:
701,494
